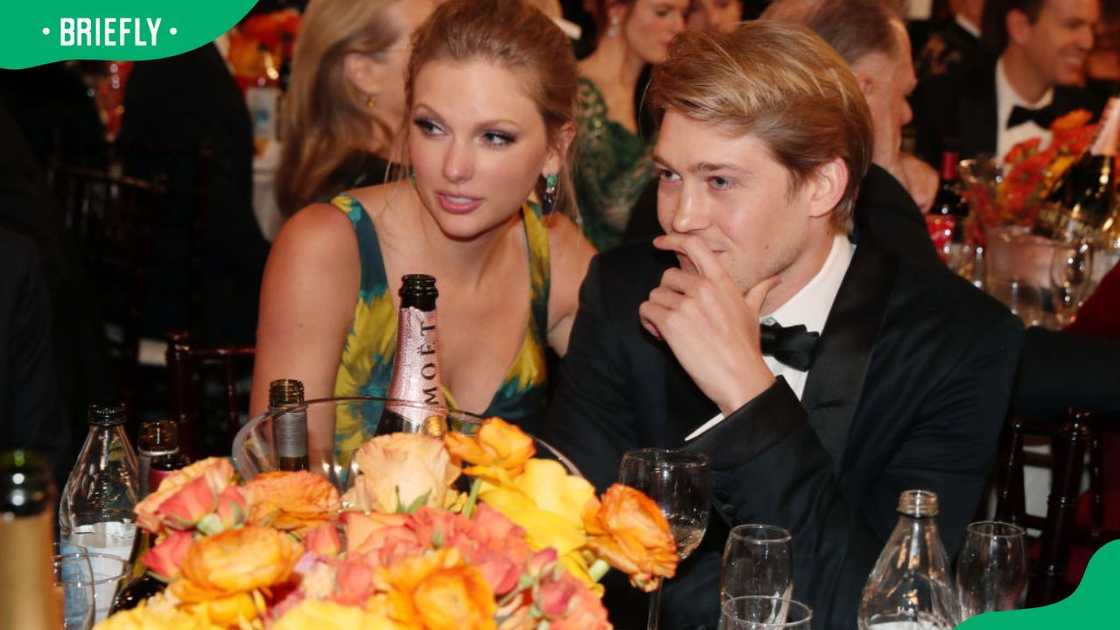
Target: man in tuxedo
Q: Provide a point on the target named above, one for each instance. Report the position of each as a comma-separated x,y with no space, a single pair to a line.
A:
870,375
872,39
995,104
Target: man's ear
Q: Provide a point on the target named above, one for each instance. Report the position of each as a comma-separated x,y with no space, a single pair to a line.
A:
826,187
863,71
364,73
1018,27
558,149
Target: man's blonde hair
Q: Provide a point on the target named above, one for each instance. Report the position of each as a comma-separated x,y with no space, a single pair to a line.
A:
781,83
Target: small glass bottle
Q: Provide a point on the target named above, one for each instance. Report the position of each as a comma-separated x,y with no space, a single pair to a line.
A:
910,585
96,510
289,424
157,438
28,596
416,376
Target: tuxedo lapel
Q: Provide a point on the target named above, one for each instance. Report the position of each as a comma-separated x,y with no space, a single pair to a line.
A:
977,113
834,384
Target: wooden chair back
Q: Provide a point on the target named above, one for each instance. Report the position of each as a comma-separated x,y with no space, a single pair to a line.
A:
208,417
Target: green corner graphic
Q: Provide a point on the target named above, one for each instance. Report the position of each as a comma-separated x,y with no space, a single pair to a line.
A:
1090,606
44,31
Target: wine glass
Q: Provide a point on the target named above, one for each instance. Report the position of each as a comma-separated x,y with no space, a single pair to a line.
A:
681,485
73,578
759,612
992,568
757,560
1071,274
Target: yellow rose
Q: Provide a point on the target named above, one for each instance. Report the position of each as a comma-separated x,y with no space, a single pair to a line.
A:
629,531
498,444
313,614
233,562
438,592
401,471
291,501
156,612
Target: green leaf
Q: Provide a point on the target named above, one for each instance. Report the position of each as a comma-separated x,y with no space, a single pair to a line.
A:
416,504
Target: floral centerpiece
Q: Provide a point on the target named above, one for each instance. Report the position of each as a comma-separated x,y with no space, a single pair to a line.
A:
403,548
1012,193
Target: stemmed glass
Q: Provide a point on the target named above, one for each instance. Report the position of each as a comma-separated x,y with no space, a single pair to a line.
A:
759,612
1071,273
992,568
757,560
680,483
73,577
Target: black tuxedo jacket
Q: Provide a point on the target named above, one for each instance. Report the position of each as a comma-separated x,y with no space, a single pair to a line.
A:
31,413
961,108
909,389
888,214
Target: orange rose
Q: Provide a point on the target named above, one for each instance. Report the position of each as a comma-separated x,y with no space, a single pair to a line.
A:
237,561
498,444
165,558
1073,120
182,498
323,540
401,472
313,614
438,592
291,501
629,531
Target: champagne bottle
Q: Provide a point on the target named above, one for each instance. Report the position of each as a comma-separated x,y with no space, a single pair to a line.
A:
946,217
416,377
289,424
910,585
28,596
1081,200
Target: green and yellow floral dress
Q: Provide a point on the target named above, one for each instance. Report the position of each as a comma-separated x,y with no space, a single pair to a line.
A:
367,356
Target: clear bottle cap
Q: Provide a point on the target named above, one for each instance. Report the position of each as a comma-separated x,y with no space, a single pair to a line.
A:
107,415
917,503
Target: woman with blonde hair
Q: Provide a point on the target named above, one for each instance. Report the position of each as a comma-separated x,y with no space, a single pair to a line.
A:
490,93
345,103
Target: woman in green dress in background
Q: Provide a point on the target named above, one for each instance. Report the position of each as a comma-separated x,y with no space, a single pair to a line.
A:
611,160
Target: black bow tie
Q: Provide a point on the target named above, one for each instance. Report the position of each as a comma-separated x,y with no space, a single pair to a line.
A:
1043,116
790,345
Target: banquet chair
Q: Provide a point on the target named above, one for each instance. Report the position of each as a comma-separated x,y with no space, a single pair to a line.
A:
204,384
1069,438
108,218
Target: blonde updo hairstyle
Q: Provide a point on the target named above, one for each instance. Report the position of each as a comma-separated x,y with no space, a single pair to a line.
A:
518,37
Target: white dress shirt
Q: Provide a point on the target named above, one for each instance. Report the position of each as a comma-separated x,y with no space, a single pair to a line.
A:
968,26
1006,98
809,307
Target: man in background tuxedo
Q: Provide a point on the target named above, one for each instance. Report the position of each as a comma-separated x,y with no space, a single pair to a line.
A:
872,38
995,104
870,375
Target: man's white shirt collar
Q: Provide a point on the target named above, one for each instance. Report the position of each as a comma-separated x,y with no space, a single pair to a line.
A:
1006,99
964,23
809,307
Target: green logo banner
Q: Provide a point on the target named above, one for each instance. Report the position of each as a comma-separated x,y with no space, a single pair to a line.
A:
1092,605
43,31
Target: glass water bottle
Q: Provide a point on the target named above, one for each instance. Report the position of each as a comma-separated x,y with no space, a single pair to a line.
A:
910,587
